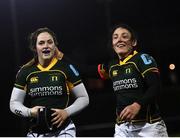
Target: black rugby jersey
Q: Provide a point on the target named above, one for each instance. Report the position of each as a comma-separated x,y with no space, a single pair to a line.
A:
48,86
128,82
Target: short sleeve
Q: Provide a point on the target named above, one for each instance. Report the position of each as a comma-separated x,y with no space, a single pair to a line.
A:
73,76
20,81
147,64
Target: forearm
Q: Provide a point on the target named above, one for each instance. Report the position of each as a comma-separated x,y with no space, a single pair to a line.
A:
153,84
16,103
82,100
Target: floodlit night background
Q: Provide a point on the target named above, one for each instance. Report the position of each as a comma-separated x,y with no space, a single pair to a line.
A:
82,28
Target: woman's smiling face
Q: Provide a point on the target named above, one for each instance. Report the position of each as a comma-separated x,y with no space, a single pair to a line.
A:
122,42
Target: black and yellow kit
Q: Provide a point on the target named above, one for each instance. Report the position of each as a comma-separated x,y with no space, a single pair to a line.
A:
50,86
129,83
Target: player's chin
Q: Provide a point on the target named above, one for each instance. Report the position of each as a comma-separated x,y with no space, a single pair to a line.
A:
47,56
121,52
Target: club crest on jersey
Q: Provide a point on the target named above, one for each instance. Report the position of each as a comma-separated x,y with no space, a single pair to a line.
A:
54,78
74,70
128,70
115,72
34,80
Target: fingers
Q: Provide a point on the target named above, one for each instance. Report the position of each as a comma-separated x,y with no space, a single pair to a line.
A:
34,110
124,114
57,121
59,116
127,114
60,123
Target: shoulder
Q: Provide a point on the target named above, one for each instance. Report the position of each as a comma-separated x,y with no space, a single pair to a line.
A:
66,62
67,66
108,64
145,62
144,58
112,62
21,72
24,70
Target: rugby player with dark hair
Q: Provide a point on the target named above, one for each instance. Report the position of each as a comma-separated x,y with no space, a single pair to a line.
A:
136,83
48,80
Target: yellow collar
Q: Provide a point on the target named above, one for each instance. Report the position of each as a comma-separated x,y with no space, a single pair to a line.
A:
127,58
53,62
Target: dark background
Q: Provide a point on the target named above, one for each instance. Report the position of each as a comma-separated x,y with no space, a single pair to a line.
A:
82,28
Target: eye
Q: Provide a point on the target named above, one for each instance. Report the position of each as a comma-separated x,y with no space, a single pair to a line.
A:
50,41
126,36
41,42
115,36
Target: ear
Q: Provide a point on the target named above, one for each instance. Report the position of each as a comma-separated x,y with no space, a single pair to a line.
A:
134,43
34,50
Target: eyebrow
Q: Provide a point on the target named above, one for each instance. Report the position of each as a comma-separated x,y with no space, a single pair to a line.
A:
122,33
47,40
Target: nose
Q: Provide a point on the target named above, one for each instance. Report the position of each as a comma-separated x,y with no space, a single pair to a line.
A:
46,45
119,39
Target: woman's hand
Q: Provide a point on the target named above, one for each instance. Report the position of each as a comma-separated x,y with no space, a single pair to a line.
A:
59,116
34,110
130,111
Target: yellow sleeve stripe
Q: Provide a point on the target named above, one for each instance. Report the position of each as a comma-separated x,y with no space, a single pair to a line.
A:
154,69
19,86
71,85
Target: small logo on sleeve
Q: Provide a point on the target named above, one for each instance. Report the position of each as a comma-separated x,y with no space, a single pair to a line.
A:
18,112
146,59
74,70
